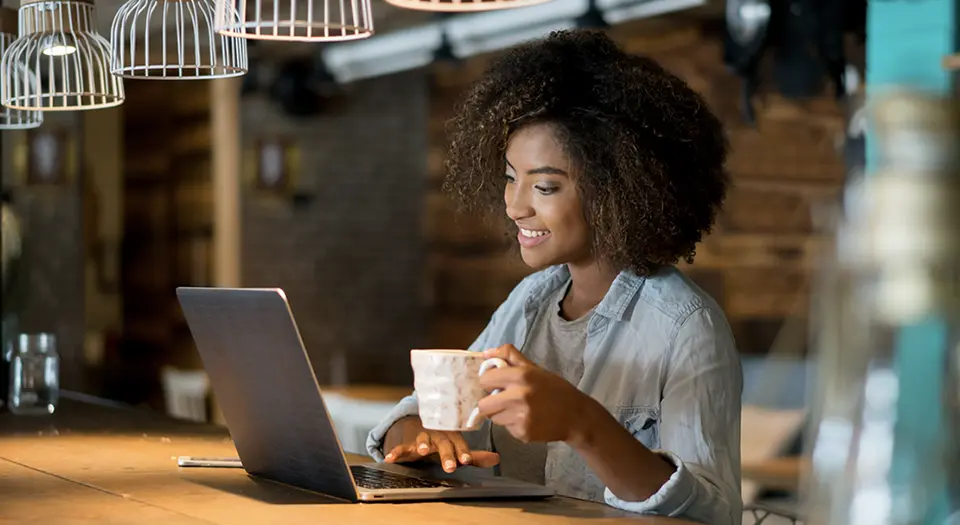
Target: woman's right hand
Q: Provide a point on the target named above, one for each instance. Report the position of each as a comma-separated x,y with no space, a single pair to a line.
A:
411,442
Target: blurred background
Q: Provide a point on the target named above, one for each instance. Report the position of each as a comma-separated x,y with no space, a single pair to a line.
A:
338,198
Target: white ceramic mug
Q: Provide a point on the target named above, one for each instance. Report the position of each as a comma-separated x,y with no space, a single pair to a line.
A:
448,387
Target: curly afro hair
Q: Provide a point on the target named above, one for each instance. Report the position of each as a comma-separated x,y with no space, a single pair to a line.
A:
648,154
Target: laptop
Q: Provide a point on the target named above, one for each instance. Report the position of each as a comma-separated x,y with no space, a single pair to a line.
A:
271,401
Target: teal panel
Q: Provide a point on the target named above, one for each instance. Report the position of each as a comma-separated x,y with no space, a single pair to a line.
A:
906,41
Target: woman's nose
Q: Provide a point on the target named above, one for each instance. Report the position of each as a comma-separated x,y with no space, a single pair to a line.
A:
518,202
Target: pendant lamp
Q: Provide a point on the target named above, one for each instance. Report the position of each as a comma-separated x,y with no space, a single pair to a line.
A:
14,118
295,20
174,39
59,42
453,6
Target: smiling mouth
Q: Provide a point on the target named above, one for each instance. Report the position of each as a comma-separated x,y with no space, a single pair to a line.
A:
534,233
531,238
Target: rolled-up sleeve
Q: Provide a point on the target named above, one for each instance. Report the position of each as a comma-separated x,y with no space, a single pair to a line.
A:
699,427
406,407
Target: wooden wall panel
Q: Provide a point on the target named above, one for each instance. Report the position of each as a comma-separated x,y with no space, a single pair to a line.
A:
772,293
730,252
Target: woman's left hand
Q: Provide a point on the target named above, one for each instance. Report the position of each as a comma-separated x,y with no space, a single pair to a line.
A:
535,405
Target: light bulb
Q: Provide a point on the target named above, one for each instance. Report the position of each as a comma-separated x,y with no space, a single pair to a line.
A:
55,46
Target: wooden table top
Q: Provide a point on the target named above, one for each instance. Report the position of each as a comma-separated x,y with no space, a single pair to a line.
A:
95,464
784,473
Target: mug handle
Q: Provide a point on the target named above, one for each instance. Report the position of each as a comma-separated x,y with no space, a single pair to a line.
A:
493,362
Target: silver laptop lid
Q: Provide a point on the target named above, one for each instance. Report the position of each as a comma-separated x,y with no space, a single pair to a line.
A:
266,387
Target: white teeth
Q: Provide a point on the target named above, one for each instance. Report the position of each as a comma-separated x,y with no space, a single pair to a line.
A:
533,233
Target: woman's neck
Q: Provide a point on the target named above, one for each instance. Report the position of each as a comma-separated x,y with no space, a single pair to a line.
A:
590,283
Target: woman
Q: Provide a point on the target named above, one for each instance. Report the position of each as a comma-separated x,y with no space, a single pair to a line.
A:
627,388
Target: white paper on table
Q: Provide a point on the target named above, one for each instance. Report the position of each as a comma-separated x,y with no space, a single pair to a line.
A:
765,433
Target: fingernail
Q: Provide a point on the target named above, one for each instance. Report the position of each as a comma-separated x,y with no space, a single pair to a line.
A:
423,449
466,459
388,457
449,465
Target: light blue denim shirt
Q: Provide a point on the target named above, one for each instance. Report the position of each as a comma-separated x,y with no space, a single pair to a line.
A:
661,358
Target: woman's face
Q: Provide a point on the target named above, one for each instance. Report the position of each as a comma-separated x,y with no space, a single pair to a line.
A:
542,199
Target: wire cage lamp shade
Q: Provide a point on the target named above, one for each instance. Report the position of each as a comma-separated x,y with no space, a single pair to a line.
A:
174,39
14,118
59,42
295,20
455,6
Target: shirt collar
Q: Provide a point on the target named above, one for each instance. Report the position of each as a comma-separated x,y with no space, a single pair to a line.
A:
614,303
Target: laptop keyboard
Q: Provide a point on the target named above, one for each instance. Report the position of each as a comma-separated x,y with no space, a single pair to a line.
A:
371,478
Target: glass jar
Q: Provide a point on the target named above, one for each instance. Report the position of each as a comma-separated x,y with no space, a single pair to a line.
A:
34,374
5,372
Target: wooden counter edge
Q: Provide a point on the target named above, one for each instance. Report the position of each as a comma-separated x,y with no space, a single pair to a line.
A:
778,473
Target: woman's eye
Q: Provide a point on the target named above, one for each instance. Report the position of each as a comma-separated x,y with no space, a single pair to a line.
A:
546,190
508,177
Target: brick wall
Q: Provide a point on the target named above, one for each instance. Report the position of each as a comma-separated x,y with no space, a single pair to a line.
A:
349,256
